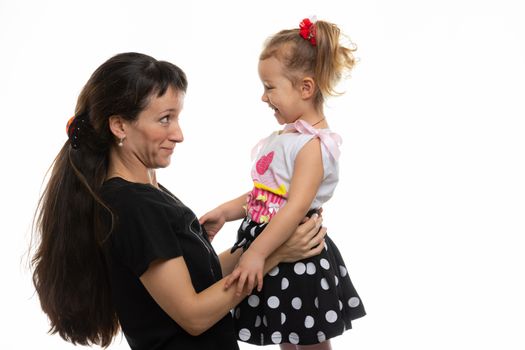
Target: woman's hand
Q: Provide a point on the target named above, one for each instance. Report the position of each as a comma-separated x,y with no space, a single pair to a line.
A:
213,221
305,242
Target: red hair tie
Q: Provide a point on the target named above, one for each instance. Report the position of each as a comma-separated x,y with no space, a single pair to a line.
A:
73,129
308,31
68,125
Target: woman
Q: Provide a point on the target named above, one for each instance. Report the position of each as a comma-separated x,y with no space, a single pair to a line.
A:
116,248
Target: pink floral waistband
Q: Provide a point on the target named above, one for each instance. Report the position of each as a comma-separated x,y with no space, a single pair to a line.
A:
262,205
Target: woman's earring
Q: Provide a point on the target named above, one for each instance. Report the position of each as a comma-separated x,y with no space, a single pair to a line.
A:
120,142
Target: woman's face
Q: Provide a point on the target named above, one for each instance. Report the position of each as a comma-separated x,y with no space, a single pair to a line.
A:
151,139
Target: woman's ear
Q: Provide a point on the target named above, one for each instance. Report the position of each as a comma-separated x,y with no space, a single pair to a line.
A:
117,127
307,87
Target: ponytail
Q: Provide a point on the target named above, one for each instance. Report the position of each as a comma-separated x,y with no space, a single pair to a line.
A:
70,272
333,59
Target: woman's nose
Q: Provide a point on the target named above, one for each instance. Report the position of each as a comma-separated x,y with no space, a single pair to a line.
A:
176,134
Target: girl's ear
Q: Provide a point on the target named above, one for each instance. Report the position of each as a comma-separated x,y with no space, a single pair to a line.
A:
117,126
307,87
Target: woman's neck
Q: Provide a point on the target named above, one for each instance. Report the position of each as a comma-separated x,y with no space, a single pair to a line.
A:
119,167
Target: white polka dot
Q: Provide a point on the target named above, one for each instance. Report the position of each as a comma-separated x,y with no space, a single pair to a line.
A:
353,302
264,321
331,316
340,305
316,302
310,268
274,271
277,337
309,322
336,281
244,334
342,271
237,313
257,321
324,284
273,302
241,243
252,231
244,225
293,338
284,283
253,300
297,303
326,246
299,268
283,318
321,337
324,264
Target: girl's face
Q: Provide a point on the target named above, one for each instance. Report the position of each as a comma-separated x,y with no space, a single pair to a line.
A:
151,139
279,92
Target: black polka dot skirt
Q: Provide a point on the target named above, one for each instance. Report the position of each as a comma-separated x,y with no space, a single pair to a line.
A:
305,302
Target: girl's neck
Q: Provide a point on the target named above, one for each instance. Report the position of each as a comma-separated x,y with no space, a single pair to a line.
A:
317,120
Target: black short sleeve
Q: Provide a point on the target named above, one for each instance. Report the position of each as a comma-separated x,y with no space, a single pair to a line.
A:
146,235
145,228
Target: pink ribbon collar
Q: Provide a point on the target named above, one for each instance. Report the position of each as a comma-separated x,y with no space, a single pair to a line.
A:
329,139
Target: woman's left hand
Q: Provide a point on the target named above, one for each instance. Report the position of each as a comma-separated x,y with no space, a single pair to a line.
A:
305,242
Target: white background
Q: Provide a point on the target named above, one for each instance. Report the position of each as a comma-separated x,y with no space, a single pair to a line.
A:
431,202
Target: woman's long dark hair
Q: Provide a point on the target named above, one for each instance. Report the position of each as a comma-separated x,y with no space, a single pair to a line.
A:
69,266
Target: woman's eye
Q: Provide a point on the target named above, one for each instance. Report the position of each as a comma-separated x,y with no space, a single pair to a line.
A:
164,119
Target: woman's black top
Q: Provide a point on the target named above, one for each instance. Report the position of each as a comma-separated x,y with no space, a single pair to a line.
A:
151,224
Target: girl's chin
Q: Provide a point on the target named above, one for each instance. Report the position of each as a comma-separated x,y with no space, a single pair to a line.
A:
279,120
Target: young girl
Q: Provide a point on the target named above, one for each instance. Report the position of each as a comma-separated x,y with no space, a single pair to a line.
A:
295,172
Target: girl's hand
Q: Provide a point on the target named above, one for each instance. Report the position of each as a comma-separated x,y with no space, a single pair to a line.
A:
213,222
305,242
249,271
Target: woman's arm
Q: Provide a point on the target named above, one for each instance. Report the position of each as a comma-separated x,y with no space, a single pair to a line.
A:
229,260
307,177
169,281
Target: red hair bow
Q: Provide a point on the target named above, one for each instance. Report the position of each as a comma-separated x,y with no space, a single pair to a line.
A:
307,30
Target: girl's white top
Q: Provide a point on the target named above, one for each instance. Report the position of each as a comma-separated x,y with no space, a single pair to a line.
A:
274,161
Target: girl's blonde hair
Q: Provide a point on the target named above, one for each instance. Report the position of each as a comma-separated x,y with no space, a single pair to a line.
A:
327,61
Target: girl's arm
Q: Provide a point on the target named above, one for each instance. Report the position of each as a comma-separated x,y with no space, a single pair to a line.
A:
169,282
234,209
307,177
228,211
